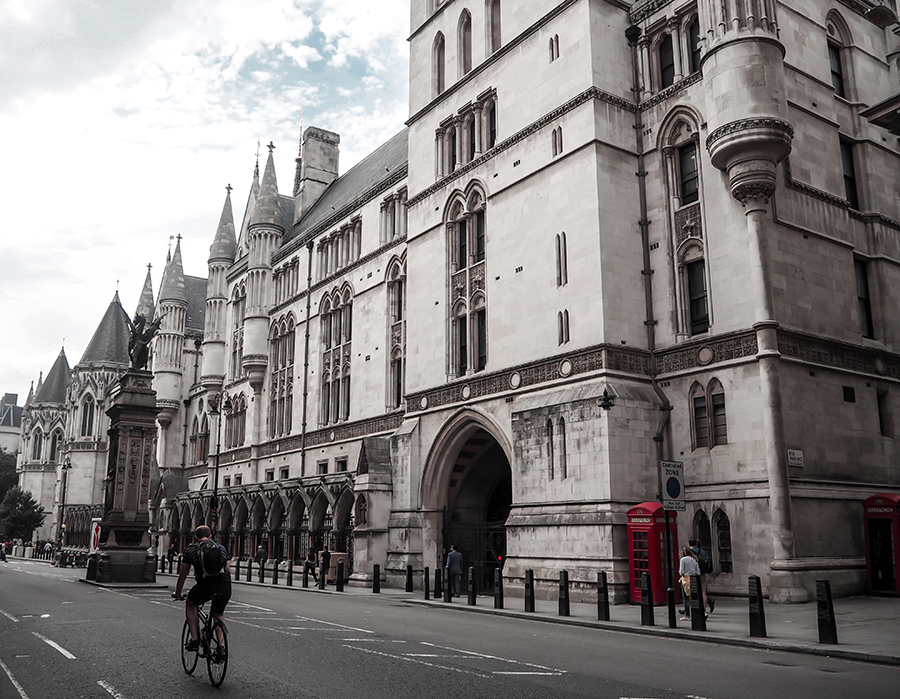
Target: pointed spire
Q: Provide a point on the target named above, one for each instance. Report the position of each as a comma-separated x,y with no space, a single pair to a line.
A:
40,382
145,304
172,287
30,395
224,245
53,390
299,160
109,345
268,204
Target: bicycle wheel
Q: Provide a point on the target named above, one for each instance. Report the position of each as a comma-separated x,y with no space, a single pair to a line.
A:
188,658
217,660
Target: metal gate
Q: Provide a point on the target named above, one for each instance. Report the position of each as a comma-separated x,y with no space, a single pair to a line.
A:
482,545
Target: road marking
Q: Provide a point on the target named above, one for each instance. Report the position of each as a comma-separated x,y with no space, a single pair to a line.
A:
109,688
550,674
54,644
420,662
13,680
495,657
331,623
251,606
8,616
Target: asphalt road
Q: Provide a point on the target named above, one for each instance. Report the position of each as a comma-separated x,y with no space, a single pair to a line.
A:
62,638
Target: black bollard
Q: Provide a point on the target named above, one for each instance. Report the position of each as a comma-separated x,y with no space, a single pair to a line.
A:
290,574
339,583
262,571
698,609
498,588
825,613
646,600
438,583
529,590
564,593
471,584
427,581
275,572
237,569
602,597
448,586
323,575
376,579
409,571
757,611
305,581
249,569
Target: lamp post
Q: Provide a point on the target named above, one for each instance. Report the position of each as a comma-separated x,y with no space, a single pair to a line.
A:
214,409
64,482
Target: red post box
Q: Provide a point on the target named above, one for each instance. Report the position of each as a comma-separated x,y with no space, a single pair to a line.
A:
882,522
647,550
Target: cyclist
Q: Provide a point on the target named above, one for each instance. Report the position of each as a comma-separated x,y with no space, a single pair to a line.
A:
216,587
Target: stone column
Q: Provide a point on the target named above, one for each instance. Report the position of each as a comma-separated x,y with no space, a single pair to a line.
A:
675,30
479,128
458,127
644,47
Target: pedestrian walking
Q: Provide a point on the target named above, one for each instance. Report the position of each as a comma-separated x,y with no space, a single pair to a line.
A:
261,555
705,563
310,564
687,567
170,554
326,563
454,565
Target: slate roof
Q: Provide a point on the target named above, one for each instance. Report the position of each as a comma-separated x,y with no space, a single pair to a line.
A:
53,389
109,345
195,290
349,190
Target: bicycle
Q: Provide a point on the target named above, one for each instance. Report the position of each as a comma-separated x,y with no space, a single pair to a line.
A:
211,648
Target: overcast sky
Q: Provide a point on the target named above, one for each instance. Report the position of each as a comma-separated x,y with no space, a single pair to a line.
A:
122,122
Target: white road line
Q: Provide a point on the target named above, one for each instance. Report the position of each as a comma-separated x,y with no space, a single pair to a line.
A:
494,657
13,680
54,644
251,606
331,623
420,662
549,674
8,616
109,688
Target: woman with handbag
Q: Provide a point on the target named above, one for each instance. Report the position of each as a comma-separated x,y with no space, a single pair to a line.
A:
687,567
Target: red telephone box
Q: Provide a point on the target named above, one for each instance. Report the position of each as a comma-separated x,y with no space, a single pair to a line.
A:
647,550
882,521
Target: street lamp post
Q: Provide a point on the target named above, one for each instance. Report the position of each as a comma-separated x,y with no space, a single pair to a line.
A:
214,409
64,483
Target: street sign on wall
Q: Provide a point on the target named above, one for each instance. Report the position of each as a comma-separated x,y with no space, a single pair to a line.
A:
672,485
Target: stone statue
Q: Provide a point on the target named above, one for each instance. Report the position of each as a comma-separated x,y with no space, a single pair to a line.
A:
141,335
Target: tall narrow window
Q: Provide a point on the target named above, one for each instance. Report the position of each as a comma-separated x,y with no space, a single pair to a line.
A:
87,417
689,178
493,15
462,244
345,397
701,422
719,425
723,541
666,62
694,45
863,300
471,143
396,381
885,426
563,467
462,334
550,463
452,146
562,270
492,126
851,192
698,308
837,69
438,70
481,339
54,444
465,43
37,445
479,236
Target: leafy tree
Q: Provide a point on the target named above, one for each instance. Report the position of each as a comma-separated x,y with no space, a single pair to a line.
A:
8,476
20,514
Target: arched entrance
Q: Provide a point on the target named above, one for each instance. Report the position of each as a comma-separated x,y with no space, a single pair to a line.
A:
471,484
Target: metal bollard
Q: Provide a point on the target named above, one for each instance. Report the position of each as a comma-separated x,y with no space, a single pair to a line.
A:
409,584
305,581
438,583
602,597
427,581
698,609
471,585
498,588
249,569
290,573
757,610
323,576
448,585
262,571
376,579
529,590
339,583
646,600
275,572
564,593
825,613
237,569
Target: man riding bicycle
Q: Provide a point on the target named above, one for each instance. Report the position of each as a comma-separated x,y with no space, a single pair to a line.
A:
211,585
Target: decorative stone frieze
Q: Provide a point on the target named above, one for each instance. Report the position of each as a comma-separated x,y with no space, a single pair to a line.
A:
688,223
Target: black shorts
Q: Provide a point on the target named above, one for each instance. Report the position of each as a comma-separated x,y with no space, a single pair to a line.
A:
208,588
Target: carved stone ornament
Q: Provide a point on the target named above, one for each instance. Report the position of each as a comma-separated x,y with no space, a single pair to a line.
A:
753,190
761,124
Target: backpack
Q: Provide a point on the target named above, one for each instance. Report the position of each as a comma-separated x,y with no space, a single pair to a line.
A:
211,557
704,562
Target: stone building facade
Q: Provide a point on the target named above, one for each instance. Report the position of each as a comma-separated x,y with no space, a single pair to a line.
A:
612,233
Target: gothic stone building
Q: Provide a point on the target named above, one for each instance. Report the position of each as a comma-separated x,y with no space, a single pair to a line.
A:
688,207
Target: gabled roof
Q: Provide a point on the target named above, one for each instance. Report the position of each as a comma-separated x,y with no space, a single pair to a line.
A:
109,345
53,389
343,193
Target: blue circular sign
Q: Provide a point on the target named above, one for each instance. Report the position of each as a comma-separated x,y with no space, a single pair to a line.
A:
673,488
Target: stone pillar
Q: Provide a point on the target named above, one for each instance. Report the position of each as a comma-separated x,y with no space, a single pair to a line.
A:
644,45
675,30
124,529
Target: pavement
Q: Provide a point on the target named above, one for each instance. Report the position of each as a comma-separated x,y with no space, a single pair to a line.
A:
868,628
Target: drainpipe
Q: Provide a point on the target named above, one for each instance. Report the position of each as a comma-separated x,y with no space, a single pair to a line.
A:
309,250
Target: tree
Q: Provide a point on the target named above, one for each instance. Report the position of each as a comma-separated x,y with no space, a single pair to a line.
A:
20,515
8,475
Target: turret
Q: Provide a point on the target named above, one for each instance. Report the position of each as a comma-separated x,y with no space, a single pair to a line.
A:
318,167
168,345
221,257
145,304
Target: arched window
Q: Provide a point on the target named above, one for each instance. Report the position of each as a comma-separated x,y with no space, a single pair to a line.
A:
461,339
337,332
562,268
54,444
238,307
87,417
281,350
550,463
554,47
666,62
694,45
688,175
839,63
396,286
464,42
438,70
493,25
708,419
37,445
193,456
702,531
563,467
722,548
203,441
562,321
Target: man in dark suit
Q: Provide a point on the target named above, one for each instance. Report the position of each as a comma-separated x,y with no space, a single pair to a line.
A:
454,565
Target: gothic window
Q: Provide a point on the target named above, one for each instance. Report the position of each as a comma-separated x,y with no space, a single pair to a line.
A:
470,132
563,468
438,70
562,322
464,136
702,531
281,351
550,448
464,43
203,441
722,547
396,287
54,444
236,422
492,124
337,331
393,216
493,25
194,451
666,62
698,306
700,415
87,417
480,329
863,299
37,445
562,270
708,418
836,66
716,394
554,47
851,190
461,339
557,141
688,177
238,307
694,45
